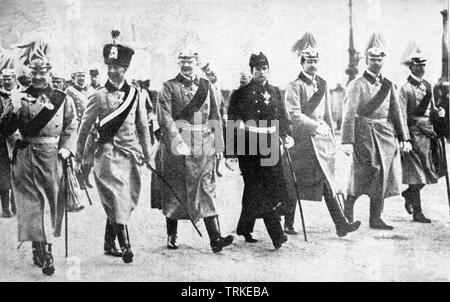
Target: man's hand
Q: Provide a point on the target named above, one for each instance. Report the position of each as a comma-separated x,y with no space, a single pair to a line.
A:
183,149
322,129
288,142
347,148
405,146
441,112
64,153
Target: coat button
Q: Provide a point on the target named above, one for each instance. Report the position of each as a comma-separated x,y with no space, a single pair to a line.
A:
32,113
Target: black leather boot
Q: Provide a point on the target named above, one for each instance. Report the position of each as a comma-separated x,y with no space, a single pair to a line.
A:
48,267
349,203
172,225
109,246
217,242
124,242
408,202
346,228
37,254
4,196
417,209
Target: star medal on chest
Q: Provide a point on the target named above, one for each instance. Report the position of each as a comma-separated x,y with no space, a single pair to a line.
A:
115,98
266,96
423,88
45,102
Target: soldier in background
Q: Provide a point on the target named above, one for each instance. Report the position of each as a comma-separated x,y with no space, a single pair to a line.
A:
94,74
58,81
416,98
10,85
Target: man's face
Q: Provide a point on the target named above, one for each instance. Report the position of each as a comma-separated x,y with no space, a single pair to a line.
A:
188,66
9,83
245,79
40,78
417,69
58,83
79,79
310,66
260,73
94,80
116,73
374,64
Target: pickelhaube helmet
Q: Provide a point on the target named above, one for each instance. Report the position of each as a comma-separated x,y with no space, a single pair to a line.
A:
40,64
306,47
376,46
413,55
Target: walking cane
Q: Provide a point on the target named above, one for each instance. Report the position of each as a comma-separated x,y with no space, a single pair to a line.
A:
447,182
297,189
66,207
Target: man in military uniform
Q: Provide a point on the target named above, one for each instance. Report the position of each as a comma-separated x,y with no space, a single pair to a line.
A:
123,146
258,109
9,81
314,154
94,74
58,81
47,126
186,108
212,77
372,126
416,98
79,91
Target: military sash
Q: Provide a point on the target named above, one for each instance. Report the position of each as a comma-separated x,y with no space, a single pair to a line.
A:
33,127
423,105
110,124
377,99
197,101
311,105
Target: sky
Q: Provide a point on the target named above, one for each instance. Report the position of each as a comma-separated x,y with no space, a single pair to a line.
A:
225,33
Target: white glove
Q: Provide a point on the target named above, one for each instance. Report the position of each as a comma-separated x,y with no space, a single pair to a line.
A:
441,112
64,153
347,148
183,149
405,146
322,129
288,142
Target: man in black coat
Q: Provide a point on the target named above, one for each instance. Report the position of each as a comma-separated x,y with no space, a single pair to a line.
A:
257,111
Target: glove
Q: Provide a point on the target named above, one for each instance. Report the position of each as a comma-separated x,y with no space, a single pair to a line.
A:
348,149
64,153
441,112
288,142
322,129
405,146
182,149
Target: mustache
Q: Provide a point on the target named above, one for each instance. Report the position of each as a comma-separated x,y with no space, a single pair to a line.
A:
185,68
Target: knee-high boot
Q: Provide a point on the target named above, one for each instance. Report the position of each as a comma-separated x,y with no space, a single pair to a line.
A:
124,242
172,225
217,242
109,246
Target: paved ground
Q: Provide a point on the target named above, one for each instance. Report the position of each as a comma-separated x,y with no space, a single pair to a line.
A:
412,252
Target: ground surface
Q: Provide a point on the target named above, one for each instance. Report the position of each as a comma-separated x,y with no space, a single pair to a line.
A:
412,252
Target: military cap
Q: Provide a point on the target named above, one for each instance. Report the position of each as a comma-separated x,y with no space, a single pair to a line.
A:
376,46
258,60
306,47
8,73
94,72
413,55
40,64
117,54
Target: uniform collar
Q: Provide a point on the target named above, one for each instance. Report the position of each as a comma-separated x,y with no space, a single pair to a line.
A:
36,92
308,79
79,88
414,80
186,81
111,88
372,77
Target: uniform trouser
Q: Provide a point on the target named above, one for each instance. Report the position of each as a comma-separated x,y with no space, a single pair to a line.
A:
4,196
271,220
332,204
